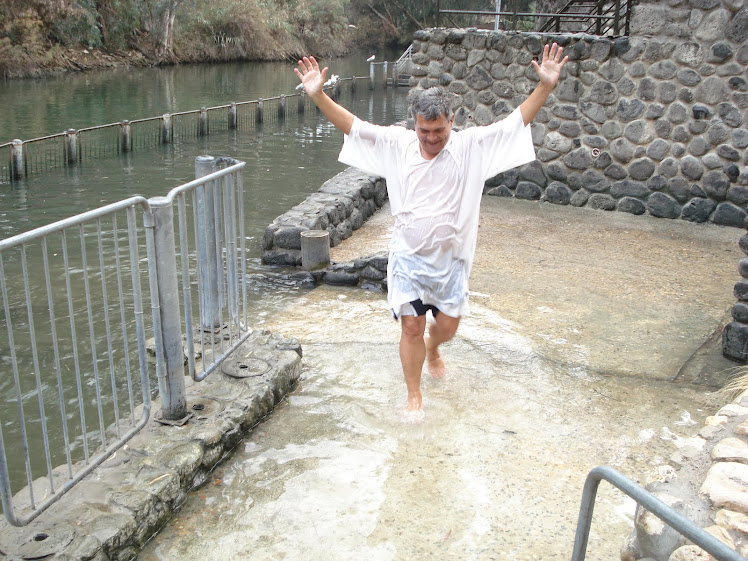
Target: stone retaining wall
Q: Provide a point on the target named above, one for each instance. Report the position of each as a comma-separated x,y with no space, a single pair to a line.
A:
640,124
340,206
706,481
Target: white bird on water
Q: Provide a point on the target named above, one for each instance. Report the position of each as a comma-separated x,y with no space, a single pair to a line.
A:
371,58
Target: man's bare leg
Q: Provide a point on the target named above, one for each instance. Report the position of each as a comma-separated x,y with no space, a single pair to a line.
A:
441,330
412,356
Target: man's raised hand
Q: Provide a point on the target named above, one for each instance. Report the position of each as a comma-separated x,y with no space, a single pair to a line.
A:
310,75
550,66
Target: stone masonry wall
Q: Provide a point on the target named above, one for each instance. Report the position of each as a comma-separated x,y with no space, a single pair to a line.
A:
340,206
652,123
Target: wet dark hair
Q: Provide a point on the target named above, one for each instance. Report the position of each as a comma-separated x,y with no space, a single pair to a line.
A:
431,104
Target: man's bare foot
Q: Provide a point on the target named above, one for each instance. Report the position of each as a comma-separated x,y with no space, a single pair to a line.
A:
434,362
413,413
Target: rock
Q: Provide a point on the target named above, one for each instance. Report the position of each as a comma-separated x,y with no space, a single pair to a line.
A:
690,553
732,520
730,450
663,206
726,486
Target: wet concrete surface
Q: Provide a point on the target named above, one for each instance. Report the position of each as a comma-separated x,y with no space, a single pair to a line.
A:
581,350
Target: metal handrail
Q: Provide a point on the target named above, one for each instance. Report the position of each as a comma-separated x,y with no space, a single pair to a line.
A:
612,12
644,498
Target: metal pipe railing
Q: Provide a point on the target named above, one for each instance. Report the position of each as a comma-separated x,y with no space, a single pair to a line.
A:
54,368
644,498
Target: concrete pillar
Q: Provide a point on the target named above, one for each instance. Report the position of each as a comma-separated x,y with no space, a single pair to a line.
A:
166,130
282,107
302,102
258,113
385,73
125,136
371,75
232,117
71,146
17,170
315,249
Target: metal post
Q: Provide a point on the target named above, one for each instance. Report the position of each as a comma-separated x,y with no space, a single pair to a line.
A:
438,12
384,73
232,116
258,113
166,130
202,123
171,385
125,134
208,280
16,159
617,18
282,107
71,146
371,75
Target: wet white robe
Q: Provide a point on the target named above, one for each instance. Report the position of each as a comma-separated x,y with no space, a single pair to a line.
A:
435,203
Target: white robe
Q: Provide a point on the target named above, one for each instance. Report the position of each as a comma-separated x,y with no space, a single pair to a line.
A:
435,203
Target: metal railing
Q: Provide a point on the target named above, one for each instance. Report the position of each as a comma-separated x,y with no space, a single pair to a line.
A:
74,330
21,158
595,17
682,525
73,315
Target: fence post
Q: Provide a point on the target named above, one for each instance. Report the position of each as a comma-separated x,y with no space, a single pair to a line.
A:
202,122
302,102
125,132
371,75
384,74
207,256
232,116
16,159
71,146
258,113
282,107
166,131
171,385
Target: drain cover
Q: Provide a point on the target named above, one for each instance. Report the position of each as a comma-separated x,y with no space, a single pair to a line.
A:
249,367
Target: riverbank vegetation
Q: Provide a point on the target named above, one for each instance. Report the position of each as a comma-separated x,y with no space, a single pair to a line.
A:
42,36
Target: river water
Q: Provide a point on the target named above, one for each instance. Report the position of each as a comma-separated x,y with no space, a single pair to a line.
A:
286,160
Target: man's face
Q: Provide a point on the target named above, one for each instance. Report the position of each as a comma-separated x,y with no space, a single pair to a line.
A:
433,135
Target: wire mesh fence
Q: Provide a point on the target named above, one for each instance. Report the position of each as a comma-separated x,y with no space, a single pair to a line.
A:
19,158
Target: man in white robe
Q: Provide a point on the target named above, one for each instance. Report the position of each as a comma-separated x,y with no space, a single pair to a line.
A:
435,180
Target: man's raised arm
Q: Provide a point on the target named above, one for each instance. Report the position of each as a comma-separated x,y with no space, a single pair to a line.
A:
548,72
313,79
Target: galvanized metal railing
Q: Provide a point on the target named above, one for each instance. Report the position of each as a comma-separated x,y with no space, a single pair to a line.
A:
21,158
682,525
73,315
74,327
595,17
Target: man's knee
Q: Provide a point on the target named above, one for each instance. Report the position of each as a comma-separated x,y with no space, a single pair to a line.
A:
413,327
446,326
